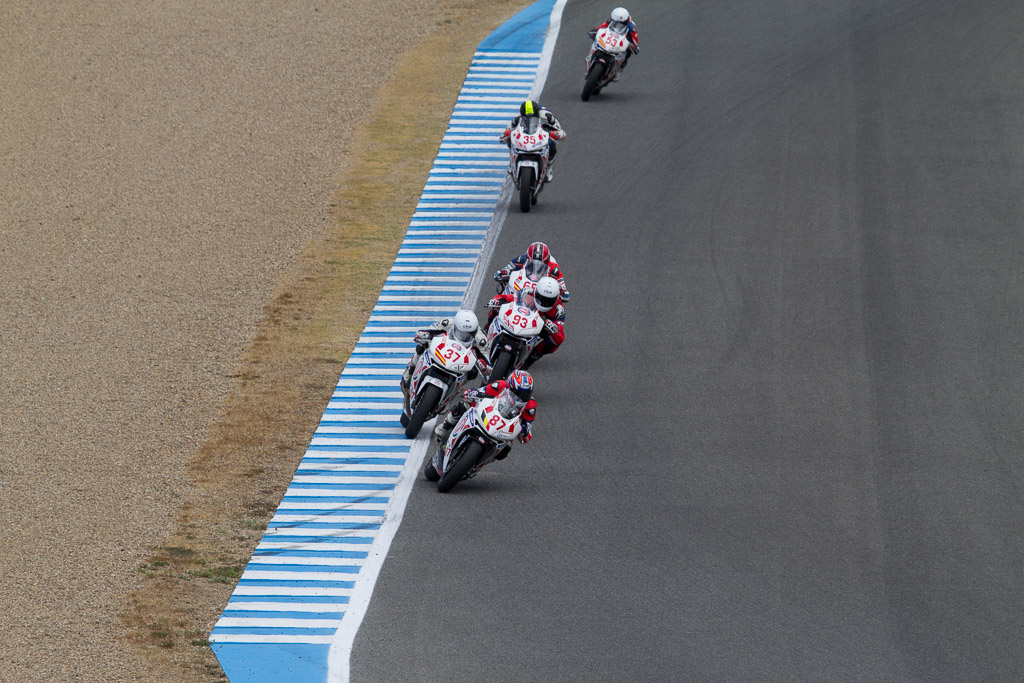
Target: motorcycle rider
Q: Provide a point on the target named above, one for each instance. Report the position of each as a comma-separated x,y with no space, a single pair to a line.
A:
548,122
464,328
519,383
620,15
537,252
546,301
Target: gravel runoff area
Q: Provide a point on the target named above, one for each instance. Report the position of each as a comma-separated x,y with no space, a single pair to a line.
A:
160,164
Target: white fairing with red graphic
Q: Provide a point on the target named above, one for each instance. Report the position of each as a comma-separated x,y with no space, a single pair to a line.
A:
610,41
525,279
529,155
446,365
605,59
512,336
481,434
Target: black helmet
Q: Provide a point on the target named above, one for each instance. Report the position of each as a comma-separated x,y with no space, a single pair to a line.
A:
529,108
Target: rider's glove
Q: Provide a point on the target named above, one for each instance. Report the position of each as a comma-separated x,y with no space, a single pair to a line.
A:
525,435
564,294
501,275
422,337
550,327
495,303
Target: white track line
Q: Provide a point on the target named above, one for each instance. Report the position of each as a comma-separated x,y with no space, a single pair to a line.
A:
341,646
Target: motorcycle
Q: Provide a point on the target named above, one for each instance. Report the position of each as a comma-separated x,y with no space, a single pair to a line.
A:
528,162
605,59
481,436
440,374
513,335
524,279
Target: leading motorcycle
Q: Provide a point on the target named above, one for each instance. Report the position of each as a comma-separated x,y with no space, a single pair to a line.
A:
605,58
482,435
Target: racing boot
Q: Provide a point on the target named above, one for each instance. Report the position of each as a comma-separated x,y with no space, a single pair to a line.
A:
407,375
531,359
443,429
503,451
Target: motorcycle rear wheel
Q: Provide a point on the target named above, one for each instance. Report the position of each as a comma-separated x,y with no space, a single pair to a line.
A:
427,404
593,76
469,457
526,181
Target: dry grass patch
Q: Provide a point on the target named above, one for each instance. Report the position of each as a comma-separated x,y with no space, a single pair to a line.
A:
307,333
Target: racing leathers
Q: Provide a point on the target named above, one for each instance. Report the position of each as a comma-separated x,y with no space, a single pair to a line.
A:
550,124
502,276
423,337
554,324
527,414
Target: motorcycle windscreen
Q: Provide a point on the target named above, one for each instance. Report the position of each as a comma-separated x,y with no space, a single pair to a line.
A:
535,269
530,125
506,405
526,298
463,337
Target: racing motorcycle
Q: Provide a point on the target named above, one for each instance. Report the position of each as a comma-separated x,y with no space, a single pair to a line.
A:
513,335
524,279
528,162
605,58
440,374
482,435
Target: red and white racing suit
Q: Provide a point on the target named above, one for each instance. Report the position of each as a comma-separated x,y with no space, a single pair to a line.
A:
527,414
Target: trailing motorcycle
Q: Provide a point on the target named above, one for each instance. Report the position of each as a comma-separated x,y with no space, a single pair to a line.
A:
440,374
605,58
481,436
529,158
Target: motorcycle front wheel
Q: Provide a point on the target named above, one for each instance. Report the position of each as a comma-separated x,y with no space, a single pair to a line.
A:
469,456
593,76
526,181
502,366
427,404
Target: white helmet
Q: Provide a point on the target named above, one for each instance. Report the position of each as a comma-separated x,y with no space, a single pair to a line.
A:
621,15
464,327
546,295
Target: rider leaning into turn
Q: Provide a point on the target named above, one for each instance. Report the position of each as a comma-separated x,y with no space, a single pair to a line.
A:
538,251
546,301
463,328
520,383
620,16
548,122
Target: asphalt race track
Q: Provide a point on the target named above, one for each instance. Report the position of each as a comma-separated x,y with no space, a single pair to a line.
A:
784,437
